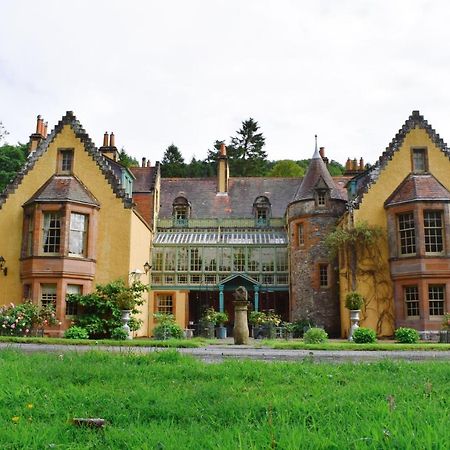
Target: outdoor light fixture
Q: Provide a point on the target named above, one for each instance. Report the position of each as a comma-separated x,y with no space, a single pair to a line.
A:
147,268
2,266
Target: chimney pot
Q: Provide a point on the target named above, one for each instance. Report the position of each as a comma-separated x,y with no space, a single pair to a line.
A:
348,164
148,163
361,165
112,140
37,123
45,129
105,139
143,162
223,150
322,152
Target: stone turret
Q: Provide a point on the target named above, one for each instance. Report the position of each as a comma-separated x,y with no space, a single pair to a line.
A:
312,215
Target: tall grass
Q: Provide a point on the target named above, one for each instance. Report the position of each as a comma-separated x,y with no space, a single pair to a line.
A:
167,401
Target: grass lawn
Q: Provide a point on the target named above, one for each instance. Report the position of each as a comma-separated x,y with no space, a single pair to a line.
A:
167,401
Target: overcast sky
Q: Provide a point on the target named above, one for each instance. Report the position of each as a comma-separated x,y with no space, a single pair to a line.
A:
190,71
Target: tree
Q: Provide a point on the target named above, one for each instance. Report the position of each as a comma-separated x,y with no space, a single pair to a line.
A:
172,164
127,160
12,158
3,132
287,168
246,154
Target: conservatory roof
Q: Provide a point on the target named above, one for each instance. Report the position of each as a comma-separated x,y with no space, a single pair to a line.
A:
260,237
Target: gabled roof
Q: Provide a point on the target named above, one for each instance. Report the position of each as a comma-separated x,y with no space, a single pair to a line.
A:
317,177
242,193
415,187
415,120
63,189
70,119
145,178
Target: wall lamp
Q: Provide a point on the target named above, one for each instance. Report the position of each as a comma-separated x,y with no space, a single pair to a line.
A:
3,267
147,268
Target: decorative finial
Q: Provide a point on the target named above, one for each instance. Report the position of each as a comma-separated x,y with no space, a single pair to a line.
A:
316,150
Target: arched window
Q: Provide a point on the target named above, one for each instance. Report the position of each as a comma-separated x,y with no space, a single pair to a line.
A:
261,211
181,212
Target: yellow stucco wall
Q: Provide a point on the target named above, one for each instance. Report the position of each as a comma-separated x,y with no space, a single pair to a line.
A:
372,211
140,239
181,304
114,221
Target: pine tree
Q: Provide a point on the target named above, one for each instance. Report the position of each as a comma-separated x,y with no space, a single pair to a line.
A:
172,164
127,160
246,154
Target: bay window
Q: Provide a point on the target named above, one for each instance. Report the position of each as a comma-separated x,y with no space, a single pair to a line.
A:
51,235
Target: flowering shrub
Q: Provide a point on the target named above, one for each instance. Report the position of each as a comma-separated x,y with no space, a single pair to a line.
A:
212,316
20,320
101,310
259,318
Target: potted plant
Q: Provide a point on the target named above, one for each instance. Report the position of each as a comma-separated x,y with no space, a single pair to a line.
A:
257,319
271,322
354,301
209,322
221,319
126,302
288,330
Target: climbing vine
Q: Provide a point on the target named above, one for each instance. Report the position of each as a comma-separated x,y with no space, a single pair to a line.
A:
359,248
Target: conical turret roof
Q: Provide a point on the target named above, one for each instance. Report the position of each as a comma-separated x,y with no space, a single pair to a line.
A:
317,177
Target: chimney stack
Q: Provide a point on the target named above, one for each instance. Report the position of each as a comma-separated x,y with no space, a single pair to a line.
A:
105,139
108,148
223,171
39,135
112,140
148,163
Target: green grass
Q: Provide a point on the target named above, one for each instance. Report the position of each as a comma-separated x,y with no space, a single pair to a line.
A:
167,401
170,343
385,346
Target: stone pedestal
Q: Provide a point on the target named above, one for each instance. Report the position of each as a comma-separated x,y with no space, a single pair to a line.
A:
240,330
354,320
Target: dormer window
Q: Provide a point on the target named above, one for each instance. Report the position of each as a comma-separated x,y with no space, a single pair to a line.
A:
181,212
261,210
321,198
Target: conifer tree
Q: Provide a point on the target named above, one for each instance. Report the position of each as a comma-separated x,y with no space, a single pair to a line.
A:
172,164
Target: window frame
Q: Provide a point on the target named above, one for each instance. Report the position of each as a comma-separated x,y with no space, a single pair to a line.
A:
431,300
84,233
55,235
429,236
424,159
410,303
165,308
324,275
50,290
65,161
72,306
406,236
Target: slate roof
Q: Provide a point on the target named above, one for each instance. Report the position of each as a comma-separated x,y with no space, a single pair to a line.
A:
145,178
106,169
242,192
63,189
317,176
366,179
415,187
